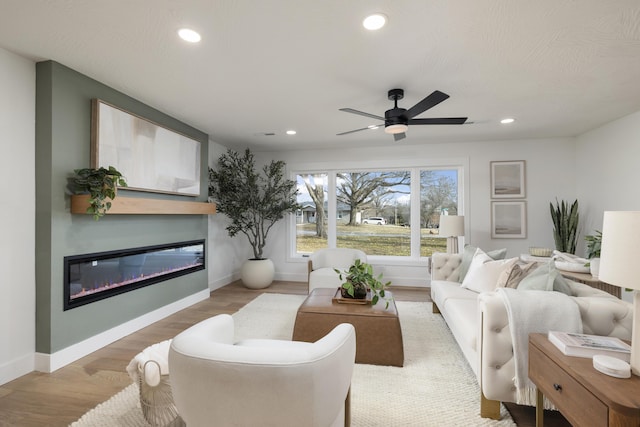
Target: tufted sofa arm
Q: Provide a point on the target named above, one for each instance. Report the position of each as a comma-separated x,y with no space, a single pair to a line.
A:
602,314
445,266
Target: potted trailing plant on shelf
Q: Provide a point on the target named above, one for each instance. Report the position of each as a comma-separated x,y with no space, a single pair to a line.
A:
594,242
359,279
254,201
100,184
565,225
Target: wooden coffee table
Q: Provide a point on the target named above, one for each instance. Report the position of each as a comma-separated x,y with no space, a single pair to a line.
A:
378,332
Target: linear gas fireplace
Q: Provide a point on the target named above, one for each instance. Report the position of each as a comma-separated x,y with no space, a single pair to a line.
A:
92,277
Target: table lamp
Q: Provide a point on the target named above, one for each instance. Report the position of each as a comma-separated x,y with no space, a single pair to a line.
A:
619,256
451,226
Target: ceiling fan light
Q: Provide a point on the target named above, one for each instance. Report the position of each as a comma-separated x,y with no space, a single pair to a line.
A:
396,128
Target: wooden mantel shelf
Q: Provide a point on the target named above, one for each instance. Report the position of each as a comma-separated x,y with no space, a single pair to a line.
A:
141,206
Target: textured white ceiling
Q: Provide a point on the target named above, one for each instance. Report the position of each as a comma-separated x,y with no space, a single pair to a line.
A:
560,67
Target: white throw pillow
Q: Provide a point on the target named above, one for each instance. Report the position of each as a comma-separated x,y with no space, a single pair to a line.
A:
484,272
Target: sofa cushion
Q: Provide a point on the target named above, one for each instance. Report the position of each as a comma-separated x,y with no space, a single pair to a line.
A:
546,278
467,256
443,290
462,319
484,272
511,277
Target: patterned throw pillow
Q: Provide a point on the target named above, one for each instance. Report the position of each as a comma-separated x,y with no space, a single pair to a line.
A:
512,277
546,278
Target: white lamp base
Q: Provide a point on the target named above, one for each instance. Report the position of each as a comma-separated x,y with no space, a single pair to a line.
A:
452,245
635,335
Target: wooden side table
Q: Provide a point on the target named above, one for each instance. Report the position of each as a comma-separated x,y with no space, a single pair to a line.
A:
588,279
583,395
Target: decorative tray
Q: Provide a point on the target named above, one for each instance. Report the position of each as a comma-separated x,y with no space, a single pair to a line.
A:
337,297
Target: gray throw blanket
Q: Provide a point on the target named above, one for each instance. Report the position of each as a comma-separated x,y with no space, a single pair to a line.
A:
535,312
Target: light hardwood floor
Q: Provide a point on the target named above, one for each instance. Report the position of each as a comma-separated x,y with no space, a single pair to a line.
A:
59,398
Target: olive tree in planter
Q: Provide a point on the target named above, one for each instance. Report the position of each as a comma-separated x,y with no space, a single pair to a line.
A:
100,184
254,201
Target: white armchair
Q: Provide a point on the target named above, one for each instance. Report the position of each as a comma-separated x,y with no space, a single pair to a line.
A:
260,381
322,263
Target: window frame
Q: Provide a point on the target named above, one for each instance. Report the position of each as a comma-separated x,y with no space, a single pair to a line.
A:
461,164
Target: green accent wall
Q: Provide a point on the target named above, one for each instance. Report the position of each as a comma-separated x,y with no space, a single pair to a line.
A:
63,126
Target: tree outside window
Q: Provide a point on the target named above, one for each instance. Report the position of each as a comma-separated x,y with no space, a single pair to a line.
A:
373,210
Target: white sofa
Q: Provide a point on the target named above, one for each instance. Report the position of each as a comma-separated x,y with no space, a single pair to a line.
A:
480,325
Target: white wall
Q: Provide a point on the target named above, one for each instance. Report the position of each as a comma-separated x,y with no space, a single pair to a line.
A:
226,254
550,173
608,172
17,227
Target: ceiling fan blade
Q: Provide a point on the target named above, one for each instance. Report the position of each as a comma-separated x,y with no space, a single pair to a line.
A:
361,113
398,136
440,121
430,101
358,130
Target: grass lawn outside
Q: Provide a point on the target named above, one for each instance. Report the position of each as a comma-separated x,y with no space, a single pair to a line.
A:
390,240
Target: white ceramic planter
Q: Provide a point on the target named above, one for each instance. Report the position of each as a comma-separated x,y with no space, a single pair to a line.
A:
257,273
594,267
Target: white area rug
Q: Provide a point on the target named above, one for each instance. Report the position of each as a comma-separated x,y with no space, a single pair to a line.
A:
435,387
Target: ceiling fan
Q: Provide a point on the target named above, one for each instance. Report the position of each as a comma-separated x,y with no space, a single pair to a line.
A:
397,120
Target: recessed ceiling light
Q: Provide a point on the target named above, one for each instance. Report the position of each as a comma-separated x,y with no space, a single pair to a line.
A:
507,120
373,126
375,21
291,132
189,35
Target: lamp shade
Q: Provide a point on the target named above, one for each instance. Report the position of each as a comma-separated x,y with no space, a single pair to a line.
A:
451,226
620,251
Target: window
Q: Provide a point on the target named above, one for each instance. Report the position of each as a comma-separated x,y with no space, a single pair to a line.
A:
372,210
311,219
438,195
374,206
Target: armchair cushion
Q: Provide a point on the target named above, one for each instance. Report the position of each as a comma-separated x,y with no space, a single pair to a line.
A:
323,262
260,381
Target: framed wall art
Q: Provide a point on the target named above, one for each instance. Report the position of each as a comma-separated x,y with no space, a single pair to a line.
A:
508,179
150,156
509,220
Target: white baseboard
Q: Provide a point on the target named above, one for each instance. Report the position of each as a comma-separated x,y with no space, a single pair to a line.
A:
16,368
220,282
51,362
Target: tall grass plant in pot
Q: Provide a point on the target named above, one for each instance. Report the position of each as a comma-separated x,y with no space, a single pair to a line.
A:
565,225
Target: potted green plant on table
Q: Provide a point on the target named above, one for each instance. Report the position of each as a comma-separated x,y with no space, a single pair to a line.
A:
594,242
359,280
565,225
101,185
254,201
